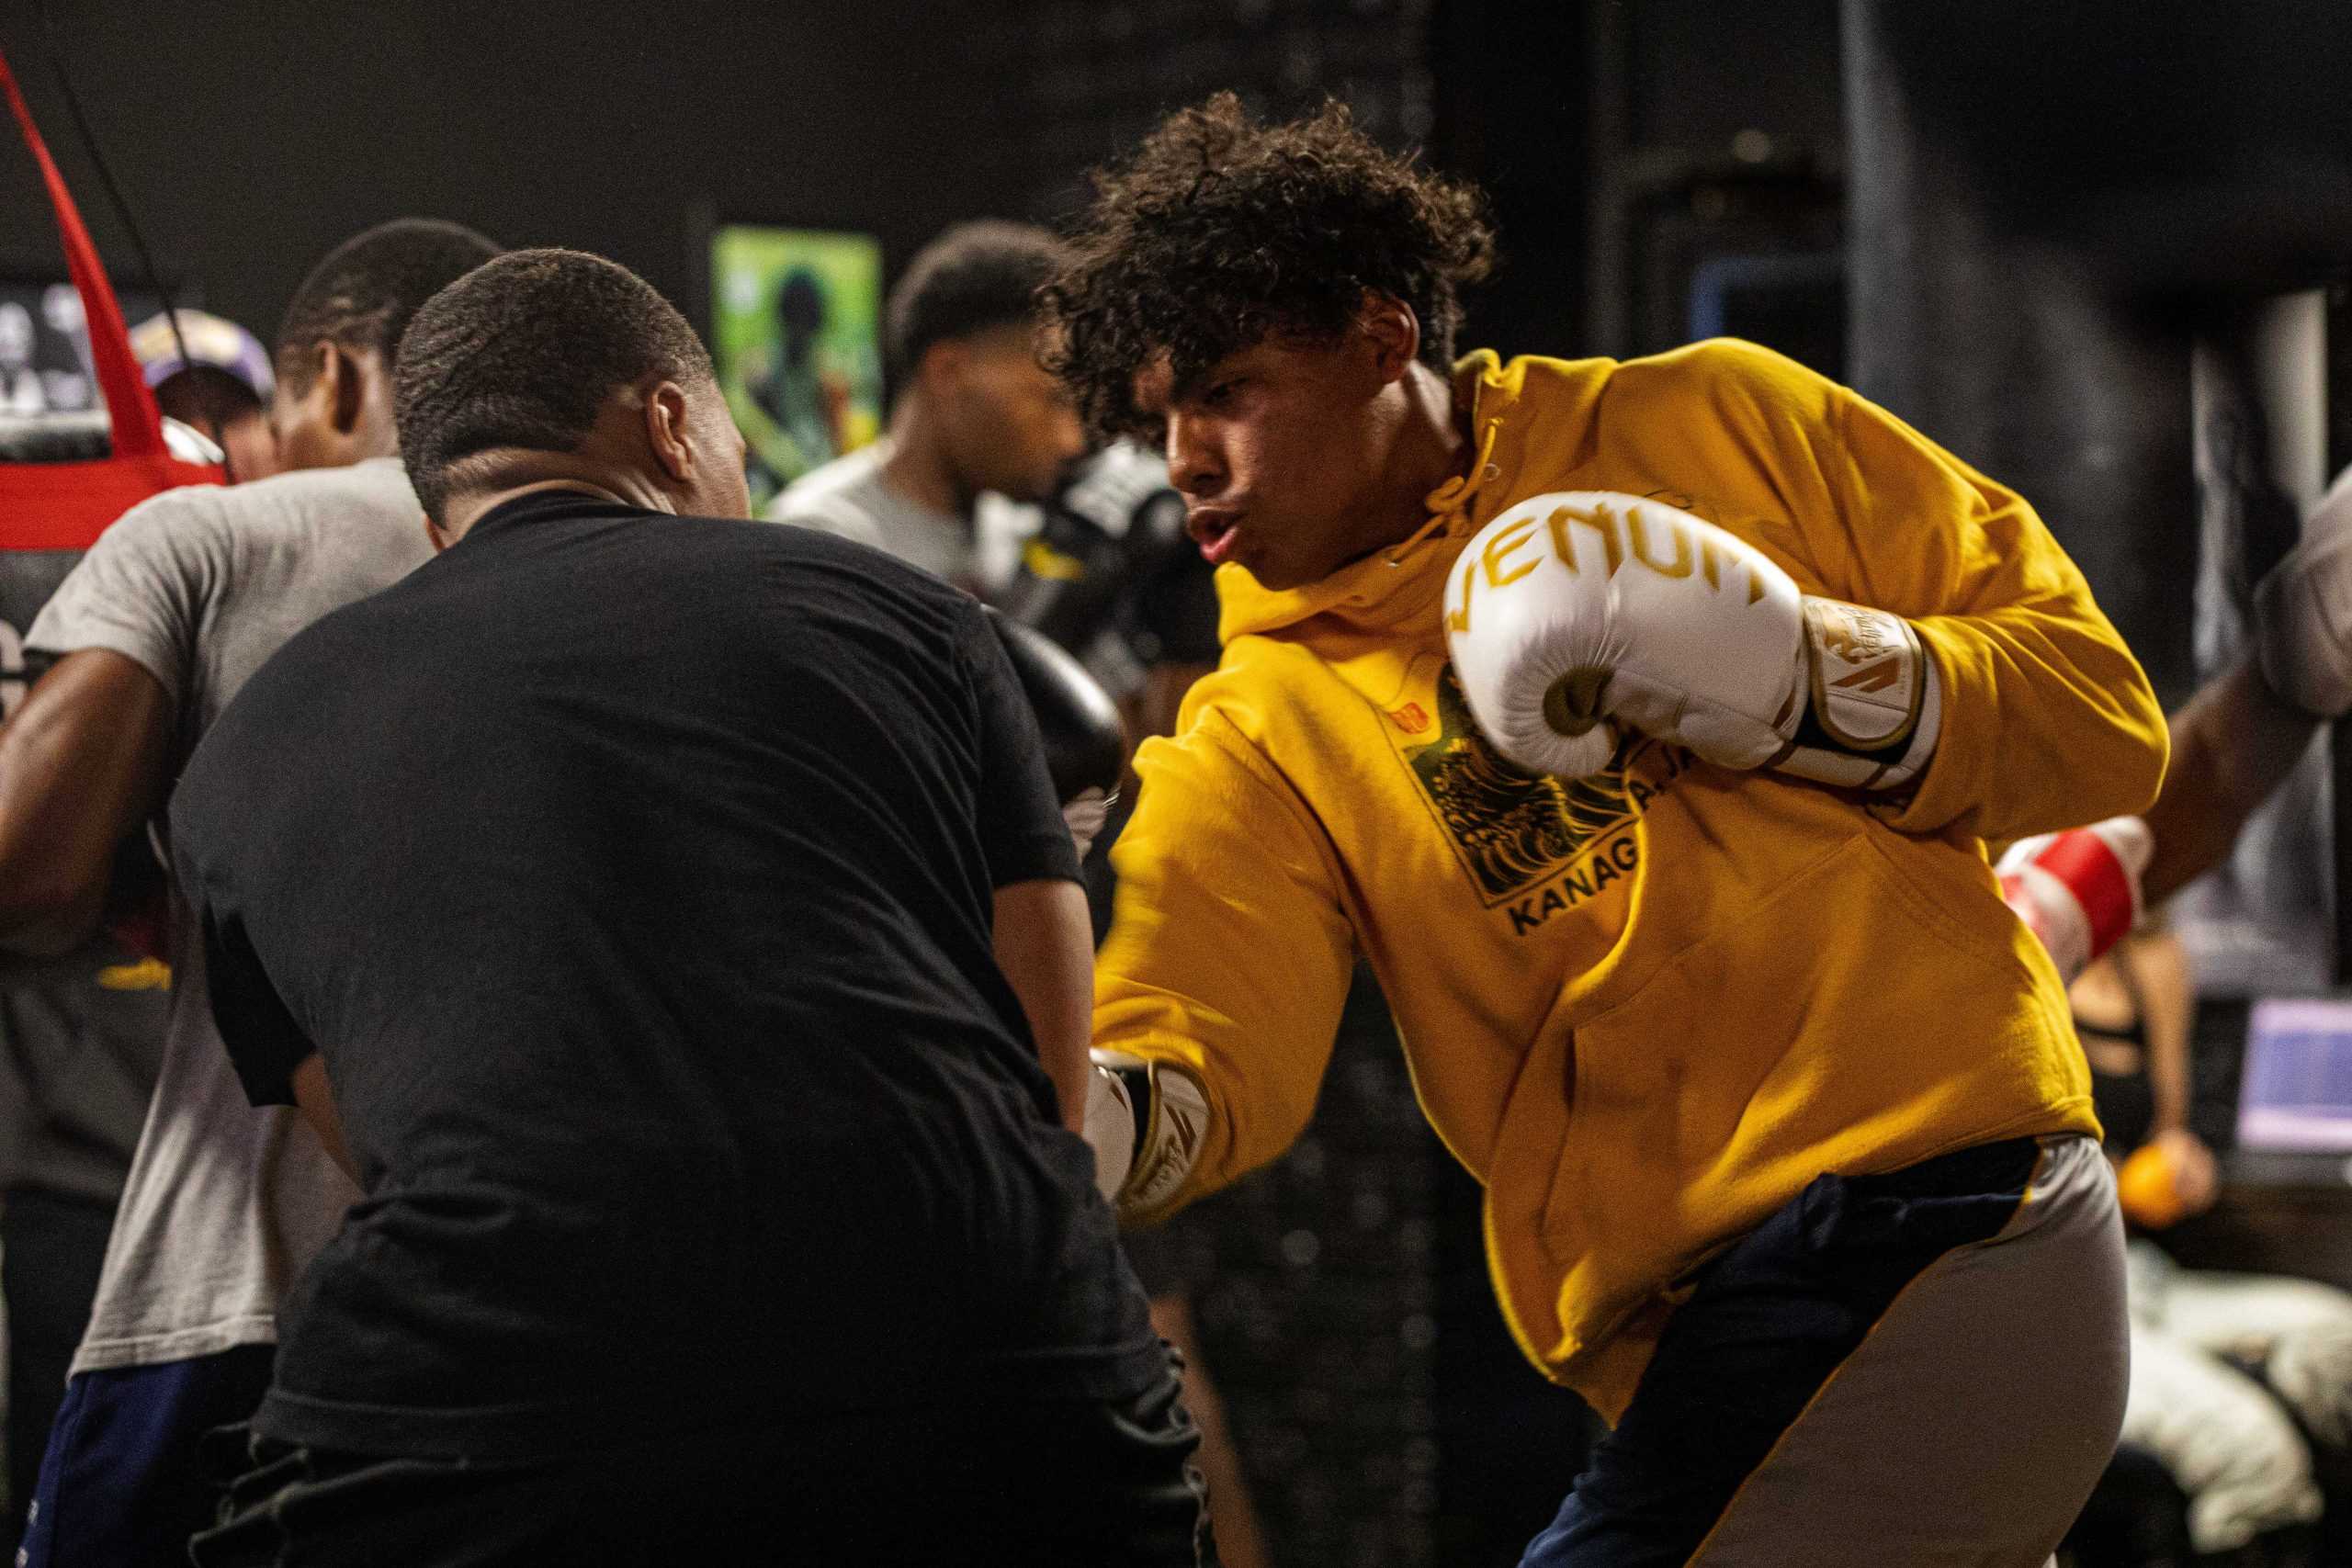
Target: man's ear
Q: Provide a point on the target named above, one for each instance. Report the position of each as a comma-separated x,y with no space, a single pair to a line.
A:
345,387
313,369
1393,332
943,365
665,432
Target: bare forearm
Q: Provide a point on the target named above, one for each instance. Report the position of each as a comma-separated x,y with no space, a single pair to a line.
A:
44,921
1044,945
316,1102
2231,747
2168,1008
81,763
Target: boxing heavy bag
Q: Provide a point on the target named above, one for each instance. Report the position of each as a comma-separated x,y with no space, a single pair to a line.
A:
64,478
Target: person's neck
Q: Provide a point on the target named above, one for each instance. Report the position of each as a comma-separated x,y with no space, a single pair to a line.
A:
1432,445
511,476
917,466
363,443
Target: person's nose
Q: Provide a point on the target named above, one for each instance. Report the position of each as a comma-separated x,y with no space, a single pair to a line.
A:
1194,466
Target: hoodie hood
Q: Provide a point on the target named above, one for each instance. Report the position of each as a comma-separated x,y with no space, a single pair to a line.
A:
1395,586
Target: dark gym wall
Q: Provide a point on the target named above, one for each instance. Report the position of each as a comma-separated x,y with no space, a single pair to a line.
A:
1716,143
1511,98
2049,203
249,136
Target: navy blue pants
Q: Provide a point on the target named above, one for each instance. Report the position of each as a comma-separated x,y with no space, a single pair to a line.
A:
52,1247
122,1483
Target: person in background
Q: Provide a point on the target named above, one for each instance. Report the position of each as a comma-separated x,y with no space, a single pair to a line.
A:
2234,744
82,1035
221,387
152,634
1103,569
974,411
2229,1371
779,929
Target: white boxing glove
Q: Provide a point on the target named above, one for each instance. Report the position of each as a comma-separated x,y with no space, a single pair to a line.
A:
2303,612
1085,814
2078,890
1582,606
1145,1120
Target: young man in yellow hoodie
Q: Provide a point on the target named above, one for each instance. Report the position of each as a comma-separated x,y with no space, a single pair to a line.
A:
1790,1162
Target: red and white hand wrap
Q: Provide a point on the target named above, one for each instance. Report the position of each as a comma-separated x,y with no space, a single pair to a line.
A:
2078,890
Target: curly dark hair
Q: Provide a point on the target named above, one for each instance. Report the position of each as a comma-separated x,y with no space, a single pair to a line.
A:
1221,231
523,351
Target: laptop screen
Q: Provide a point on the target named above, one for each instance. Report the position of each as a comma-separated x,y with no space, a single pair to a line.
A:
2297,1097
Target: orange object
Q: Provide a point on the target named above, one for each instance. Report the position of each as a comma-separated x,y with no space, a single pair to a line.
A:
2149,1185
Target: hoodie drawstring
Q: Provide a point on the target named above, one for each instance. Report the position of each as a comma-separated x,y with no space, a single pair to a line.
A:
1450,502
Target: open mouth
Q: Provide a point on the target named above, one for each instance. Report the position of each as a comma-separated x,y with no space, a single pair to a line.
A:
1215,532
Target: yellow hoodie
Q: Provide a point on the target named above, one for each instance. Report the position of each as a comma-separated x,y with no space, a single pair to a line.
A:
1645,1008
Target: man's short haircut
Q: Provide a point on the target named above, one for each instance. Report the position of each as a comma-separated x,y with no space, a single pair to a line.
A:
364,294
1220,232
522,352
972,277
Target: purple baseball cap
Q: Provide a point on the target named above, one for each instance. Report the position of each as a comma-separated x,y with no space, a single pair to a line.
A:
212,339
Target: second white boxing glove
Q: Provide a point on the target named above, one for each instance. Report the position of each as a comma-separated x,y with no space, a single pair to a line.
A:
1584,607
2303,612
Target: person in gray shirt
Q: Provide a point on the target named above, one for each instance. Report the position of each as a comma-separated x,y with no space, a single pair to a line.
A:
974,411
154,631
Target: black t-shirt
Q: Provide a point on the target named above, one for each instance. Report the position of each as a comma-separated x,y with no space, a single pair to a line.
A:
634,874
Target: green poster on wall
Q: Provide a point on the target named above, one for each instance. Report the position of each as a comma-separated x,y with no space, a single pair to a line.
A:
796,333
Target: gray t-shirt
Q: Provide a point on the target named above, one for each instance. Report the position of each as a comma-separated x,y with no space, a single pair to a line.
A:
225,1204
847,497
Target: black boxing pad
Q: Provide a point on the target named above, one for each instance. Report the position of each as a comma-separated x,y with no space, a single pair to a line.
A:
1068,578
1104,527
1086,744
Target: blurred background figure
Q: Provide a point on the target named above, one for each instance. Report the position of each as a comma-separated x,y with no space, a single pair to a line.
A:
2241,1390
984,458
221,387
974,412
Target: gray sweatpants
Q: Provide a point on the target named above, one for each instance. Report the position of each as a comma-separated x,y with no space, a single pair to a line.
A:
1969,1427
1917,1368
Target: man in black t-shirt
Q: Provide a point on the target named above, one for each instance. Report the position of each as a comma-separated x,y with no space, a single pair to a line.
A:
669,922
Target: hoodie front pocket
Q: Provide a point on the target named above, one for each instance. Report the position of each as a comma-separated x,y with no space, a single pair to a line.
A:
1820,1013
